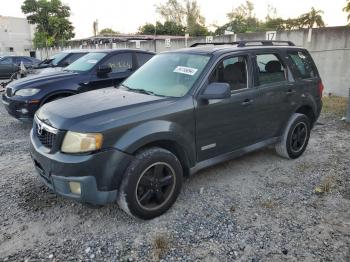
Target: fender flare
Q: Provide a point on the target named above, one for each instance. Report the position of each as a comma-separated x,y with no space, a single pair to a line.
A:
155,131
63,92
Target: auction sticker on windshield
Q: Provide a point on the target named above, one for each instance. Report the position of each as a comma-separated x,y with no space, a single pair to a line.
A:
185,70
92,61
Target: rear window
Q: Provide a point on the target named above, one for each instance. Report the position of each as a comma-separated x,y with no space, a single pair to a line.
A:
271,69
142,58
303,63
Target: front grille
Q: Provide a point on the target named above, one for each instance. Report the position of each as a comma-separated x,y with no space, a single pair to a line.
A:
46,134
8,91
47,138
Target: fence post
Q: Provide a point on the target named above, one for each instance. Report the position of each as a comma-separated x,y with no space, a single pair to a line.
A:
348,114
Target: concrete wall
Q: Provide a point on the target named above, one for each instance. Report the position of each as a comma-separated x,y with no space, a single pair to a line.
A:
330,48
15,34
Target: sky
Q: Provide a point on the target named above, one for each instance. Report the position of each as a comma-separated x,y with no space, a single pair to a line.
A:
127,15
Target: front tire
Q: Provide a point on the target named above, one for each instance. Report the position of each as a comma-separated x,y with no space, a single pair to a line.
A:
295,137
151,184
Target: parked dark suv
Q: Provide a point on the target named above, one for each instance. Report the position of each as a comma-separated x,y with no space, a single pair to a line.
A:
99,69
62,59
182,111
10,64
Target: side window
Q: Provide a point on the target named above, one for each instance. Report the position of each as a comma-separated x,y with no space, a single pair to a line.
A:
233,71
71,58
270,69
142,58
26,61
6,61
303,63
120,62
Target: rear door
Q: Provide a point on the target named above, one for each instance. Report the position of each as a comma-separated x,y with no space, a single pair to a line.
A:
122,65
275,91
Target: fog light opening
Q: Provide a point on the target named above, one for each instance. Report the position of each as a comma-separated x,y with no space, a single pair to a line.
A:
75,188
23,111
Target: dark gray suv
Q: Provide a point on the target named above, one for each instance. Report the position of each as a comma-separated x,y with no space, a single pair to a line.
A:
181,112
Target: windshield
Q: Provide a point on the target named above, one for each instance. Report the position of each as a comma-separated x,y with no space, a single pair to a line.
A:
56,58
169,74
86,62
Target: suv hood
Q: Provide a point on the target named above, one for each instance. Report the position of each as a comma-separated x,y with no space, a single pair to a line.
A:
98,110
41,79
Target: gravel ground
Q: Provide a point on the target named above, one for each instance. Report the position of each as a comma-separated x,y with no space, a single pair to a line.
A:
255,208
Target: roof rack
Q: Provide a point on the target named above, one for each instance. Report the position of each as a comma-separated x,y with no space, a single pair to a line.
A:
244,43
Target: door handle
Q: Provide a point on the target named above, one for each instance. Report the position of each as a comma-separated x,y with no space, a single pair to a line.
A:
247,102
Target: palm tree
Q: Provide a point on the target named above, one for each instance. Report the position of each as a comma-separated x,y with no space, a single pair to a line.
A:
312,18
347,9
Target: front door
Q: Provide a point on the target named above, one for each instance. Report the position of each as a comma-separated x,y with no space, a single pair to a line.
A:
223,126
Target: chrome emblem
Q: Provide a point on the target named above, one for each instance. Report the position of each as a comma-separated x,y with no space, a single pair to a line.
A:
39,129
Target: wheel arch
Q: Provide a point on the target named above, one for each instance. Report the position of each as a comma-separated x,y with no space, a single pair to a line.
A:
162,134
57,94
308,111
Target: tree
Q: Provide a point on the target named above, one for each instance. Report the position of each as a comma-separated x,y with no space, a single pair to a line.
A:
347,9
51,19
185,13
194,20
312,18
108,31
172,11
241,19
244,10
168,28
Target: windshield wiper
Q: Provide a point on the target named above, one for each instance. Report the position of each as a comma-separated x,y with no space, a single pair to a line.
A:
140,90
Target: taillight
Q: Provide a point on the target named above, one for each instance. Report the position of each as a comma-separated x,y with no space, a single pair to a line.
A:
320,88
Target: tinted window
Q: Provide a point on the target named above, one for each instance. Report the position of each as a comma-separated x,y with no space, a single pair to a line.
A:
119,62
270,69
303,63
6,60
86,62
57,58
71,58
169,74
26,61
143,58
233,71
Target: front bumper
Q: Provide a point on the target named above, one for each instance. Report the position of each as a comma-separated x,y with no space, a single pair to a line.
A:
99,174
19,108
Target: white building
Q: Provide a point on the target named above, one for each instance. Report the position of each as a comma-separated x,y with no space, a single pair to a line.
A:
16,36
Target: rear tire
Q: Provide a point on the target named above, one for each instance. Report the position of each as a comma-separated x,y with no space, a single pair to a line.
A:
151,183
295,137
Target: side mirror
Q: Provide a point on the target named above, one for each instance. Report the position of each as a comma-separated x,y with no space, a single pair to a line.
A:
104,70
216,90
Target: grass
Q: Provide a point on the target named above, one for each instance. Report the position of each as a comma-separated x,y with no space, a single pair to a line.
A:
335,105
325,186
269,204
160,246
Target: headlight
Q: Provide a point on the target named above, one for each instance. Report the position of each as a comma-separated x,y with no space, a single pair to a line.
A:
27,92
81,142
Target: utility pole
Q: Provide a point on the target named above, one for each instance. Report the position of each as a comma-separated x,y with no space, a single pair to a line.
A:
154,39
